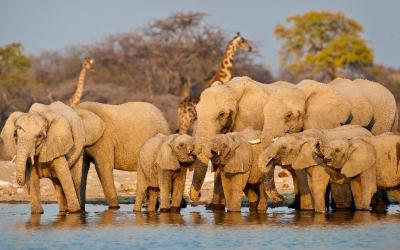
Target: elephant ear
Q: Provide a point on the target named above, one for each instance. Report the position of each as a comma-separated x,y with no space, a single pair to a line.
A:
265,159
305,157
166,157
322,99
58,141
7,134
361,156
94,125
241,157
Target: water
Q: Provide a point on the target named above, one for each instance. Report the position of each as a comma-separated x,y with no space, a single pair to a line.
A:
279,228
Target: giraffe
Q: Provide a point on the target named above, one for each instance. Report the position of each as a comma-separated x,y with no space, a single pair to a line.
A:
87,64
186,109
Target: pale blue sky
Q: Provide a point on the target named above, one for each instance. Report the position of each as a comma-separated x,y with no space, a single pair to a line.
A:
54,24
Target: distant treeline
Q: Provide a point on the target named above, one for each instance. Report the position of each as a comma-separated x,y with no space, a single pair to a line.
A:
148,64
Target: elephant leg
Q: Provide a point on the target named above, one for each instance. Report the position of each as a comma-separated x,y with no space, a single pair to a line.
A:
395,193
165,183
104,169
368,186
356,190
233,190
62,201
34,192
270,188
177,190
218,200
152,200
319,183
79,176
262,201
141,189
252,196
306,200
296,202
63,173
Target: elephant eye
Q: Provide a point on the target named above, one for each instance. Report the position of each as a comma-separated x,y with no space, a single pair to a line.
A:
288,115
181,144
337,150
283,147
221,114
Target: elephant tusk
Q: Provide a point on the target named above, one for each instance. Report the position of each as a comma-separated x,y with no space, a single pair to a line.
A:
13,159
218,153
32,160
256,141
210,165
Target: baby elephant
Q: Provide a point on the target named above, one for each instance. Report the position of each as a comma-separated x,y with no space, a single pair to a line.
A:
235,156
163,163
369,163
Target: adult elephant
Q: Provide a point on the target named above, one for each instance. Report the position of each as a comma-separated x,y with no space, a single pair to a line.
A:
115,136
224,108
316,105
47,141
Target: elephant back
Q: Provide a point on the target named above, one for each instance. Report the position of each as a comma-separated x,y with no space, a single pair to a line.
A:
383,104
326,107
362,110
147,157
127,127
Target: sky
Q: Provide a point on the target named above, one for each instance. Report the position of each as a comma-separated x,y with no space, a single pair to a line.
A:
54,24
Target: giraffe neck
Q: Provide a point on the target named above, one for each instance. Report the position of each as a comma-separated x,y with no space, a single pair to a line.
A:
224,72
76,97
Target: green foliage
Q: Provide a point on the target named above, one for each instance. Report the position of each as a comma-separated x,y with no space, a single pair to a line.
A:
322,45
12,59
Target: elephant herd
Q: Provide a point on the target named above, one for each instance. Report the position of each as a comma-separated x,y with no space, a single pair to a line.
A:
337,136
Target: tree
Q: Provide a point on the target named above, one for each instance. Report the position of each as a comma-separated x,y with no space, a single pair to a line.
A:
322,45
18,85
12,60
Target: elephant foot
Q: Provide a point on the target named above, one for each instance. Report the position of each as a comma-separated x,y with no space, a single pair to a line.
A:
175,209
214,206
234,211
114,207
37,211
379,207
253,207
165,210
74,211
183,203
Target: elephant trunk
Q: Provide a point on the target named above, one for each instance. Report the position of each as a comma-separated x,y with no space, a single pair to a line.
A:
270,131
199,175
204,132
23,152
20,162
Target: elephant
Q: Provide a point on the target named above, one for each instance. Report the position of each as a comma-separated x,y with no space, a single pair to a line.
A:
322,106
368,163
163,164
234,155
46,142
230,107
115,135
3,154
299,151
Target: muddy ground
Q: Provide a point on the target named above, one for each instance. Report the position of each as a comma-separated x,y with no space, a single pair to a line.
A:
125,183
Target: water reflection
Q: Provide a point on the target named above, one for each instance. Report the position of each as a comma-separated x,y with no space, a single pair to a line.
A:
199,216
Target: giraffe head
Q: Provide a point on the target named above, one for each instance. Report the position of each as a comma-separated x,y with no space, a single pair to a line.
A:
88,63
241,43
